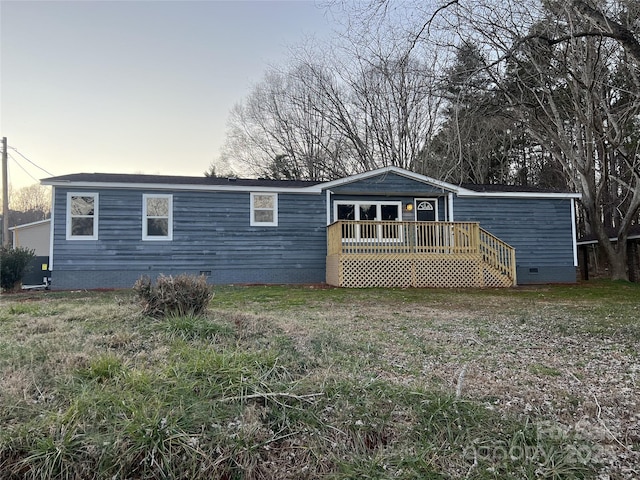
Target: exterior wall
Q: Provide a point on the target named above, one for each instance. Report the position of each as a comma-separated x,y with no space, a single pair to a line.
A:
34,236
539,229
211,233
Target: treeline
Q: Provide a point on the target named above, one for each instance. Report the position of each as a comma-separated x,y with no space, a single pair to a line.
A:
29,204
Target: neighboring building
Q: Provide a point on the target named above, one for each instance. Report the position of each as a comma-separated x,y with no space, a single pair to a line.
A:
35,236
387,227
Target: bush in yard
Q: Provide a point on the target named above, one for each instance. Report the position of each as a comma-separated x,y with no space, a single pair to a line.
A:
13,266
183,295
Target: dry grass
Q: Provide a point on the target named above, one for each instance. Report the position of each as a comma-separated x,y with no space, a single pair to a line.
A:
280,382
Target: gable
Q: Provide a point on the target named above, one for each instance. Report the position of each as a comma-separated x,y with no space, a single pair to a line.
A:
388,183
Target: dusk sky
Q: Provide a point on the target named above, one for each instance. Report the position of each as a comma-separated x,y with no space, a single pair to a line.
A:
135,86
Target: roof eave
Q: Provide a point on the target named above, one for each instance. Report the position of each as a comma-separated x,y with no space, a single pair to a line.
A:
611,239
469,193
313,189
32,224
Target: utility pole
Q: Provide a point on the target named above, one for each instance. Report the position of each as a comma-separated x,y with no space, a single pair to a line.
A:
5,195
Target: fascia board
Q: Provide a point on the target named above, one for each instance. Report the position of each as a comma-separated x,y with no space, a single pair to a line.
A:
183,187
470,193
611,239
32,224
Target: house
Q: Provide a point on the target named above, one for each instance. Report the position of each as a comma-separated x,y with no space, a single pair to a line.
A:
35,236
386,227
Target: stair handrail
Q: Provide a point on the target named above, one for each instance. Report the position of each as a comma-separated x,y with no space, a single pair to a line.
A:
498,254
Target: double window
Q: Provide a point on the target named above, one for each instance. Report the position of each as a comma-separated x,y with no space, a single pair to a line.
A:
82,216
369,211
264,209
157,217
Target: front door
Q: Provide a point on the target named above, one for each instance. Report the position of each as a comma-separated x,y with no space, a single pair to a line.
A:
426,210
426,235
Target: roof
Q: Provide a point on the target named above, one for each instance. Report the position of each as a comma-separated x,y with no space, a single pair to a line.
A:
612,233
114,180
476,187
32,224
175,180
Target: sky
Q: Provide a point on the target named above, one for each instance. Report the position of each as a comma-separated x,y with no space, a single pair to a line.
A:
135,86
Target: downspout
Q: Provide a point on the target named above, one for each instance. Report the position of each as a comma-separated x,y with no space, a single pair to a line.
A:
329,192
51,226
573,232
446,207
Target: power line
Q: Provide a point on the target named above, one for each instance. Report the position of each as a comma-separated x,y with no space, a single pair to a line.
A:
32,163
23,169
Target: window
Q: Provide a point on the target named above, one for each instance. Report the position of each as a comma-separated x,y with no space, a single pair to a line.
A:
369,211
264,209
82,216
157,217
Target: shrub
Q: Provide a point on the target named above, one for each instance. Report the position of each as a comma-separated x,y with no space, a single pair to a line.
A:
13,266
183,295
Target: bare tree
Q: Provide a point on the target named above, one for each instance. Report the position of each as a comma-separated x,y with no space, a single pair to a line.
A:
278,131
34,197
365,107
29,204
569,74
569,95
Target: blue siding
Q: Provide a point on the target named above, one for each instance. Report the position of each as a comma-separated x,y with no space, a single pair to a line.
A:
389,184
211,232
539,229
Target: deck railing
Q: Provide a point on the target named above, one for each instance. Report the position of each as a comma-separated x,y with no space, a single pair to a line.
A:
347,237
498,254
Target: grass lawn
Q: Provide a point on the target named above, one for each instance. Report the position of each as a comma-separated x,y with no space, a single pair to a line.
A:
301,382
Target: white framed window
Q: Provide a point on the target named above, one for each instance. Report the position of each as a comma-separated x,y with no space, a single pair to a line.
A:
157,216
82,216
264,209
369,211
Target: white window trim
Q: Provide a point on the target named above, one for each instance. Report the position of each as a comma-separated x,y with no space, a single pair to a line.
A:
253,222
378,205
357,203
156,238
96,210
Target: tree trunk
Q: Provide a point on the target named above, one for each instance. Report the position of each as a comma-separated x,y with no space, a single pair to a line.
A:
617,257
616,253
632,256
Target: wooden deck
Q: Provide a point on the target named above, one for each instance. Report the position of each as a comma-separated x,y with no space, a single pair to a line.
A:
417,254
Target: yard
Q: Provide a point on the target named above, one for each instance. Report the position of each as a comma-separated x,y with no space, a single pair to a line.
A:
302,382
